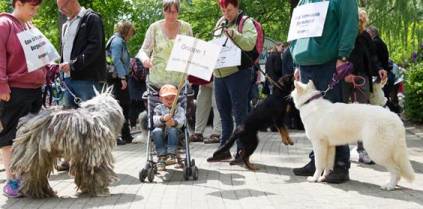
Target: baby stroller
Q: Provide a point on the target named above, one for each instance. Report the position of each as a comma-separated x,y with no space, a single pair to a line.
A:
188,164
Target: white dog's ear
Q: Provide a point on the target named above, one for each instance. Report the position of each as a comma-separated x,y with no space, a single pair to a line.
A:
95,91
310,85
298,86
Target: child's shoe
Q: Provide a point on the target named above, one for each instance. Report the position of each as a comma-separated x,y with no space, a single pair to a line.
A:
161,165
171,160
11,189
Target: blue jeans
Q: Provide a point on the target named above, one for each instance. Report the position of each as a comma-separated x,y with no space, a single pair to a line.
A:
81,88
159,140
321,75
231,95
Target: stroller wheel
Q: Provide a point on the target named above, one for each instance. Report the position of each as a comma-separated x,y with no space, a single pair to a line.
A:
187,173
194,170
150,174
143,174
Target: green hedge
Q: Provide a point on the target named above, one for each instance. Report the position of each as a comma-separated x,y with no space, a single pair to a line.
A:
414,93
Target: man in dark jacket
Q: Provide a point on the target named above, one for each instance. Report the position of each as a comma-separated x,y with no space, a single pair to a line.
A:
83,51
83,54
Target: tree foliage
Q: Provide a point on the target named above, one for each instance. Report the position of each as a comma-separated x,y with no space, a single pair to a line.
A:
400,21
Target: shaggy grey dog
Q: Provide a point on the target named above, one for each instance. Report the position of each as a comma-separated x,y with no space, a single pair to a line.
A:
85,137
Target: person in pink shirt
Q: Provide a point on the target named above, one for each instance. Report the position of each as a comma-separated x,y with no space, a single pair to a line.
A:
20,90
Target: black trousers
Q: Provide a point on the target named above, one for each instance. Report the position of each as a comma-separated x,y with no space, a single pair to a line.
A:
22,101
123,97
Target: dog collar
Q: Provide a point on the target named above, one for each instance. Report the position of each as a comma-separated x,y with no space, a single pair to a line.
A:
316,96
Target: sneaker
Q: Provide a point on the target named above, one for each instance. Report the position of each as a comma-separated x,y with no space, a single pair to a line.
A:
337,176
220,157
119,141
128,139
171,160
307,170
196,138
363,157
214,138
161,165
11,189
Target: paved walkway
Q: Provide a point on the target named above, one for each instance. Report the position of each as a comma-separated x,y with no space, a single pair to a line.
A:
233,187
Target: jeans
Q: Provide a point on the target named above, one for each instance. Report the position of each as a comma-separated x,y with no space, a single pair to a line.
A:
231,94
159,140
321,75
81,88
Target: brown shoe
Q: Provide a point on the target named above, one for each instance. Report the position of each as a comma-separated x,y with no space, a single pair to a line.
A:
214,138
196,138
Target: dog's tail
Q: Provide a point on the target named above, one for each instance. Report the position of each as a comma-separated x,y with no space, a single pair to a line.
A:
231,141
401,158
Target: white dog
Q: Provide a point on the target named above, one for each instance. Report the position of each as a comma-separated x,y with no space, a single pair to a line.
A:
330,124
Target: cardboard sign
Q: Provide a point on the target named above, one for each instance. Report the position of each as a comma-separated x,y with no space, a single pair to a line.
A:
230,55
308,20
38,50
193,56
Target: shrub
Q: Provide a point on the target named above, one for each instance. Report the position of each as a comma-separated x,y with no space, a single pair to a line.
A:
414,93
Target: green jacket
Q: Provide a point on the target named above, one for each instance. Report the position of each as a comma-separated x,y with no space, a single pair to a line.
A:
246,40
337,40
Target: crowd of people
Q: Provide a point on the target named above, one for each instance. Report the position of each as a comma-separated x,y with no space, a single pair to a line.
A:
345,38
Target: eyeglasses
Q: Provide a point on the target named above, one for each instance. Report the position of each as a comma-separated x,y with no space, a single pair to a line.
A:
171,12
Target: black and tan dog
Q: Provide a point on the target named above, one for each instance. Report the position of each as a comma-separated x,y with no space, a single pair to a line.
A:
270,112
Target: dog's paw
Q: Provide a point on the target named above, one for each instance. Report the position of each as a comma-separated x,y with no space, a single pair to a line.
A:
321,179
388,187
311,179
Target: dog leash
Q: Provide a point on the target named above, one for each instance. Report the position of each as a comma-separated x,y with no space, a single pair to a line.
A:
340,73
77,100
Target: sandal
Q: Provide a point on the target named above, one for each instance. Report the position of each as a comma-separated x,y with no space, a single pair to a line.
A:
214,138
196,138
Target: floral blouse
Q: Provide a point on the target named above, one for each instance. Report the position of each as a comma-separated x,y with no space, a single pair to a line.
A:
159,46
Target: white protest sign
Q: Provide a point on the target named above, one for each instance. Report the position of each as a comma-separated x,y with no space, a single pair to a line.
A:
230,55
308,20
193,56
38,50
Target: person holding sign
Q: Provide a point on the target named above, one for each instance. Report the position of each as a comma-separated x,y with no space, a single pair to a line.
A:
158,43
20,89
319,54
232,84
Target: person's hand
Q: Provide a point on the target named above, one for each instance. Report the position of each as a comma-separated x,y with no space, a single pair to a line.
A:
65,67
5,97
170,123
167,117
147,63
124,84
383,74
349,78
340,62
297,74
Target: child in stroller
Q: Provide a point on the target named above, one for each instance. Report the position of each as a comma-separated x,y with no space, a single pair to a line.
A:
167,126
161,130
